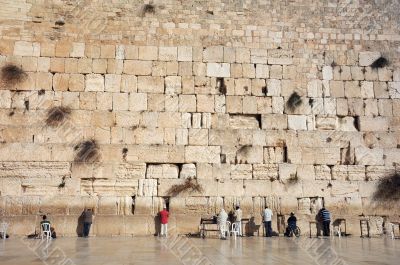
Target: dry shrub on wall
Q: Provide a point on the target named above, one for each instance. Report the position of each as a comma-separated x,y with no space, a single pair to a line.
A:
388,189
294,101
57,115
12,75
87,152
148,9
190,185
380,63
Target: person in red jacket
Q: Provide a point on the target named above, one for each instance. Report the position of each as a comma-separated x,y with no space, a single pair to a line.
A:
164,214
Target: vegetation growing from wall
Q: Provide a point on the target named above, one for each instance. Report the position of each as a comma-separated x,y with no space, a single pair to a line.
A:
57,115
190,185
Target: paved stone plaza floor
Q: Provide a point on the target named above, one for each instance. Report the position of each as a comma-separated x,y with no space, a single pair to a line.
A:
166,251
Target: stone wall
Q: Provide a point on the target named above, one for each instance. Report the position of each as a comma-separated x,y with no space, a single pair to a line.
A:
262,102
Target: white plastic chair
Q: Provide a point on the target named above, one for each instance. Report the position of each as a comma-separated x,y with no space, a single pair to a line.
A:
225,231
3,230
337,229
234,230
46,231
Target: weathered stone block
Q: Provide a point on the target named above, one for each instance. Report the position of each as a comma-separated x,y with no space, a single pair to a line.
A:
218,69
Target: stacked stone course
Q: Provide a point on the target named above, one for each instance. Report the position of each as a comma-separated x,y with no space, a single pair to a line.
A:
183,93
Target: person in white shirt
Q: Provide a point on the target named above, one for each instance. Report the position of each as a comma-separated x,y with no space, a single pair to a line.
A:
267,216
221,220
238,219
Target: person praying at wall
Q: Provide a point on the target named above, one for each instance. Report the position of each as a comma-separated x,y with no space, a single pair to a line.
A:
87,221
238,219
221,221
267,216
324,216
164,215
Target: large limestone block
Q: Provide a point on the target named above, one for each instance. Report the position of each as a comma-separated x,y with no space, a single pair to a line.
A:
394,89
323,172
340,172
306,172
26,152
129,170
392,156
356,172
202,154
94,82
143,205
367,58
147,187
168,171
220,171
241,171
250,155
344,189
243,122
367,156
297,122
378,172
326,123
373,124
35,169
156,154
141,225
213,54
107,205
218,70
173,85
316,188
230,188
257,187
274,121
150,84
287,171
139,68
188,171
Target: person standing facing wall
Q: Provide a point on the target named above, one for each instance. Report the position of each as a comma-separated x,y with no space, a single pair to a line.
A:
88,217
267,216
164,215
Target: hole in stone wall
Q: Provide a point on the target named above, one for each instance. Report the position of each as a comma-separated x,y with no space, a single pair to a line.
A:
221,85
124,153
166,202
356,122
26,103
285,155
223,158
264,90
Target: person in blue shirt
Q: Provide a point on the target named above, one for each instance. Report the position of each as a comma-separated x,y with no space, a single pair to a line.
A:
325,217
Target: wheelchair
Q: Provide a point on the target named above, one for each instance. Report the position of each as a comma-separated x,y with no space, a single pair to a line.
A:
290,231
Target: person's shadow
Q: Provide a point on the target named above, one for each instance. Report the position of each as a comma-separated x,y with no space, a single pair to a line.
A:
79,227
157,225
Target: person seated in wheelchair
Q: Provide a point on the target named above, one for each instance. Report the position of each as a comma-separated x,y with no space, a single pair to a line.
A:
292,224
